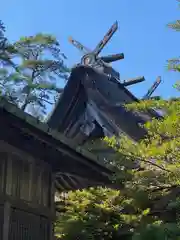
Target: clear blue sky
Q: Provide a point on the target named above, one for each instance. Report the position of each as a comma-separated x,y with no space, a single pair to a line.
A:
143,36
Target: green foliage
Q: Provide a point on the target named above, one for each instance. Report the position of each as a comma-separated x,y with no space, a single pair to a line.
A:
40,68
174,64
177,85
147,206
7,51
158,231
32,83
175,25
157,158
92,214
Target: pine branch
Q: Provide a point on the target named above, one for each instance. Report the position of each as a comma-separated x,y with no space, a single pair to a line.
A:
175,26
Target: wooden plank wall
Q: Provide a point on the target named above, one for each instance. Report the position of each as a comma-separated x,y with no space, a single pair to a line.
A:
27,226
28,180
26,184
1,220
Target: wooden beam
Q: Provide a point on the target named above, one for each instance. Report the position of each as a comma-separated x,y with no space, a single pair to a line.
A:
45,135
52,205
44,150
28,207
7,212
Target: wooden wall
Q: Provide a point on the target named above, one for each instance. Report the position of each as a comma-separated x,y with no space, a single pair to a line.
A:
1,220
26,184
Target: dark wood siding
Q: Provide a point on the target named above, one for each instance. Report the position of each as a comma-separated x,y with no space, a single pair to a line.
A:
3,161
26,184
27,226
44,228
28,180
1,220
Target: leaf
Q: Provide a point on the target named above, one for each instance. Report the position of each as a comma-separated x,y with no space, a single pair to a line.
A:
146,212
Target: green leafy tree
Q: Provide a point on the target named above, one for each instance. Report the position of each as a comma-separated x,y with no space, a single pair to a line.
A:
93,214
154,185
147,205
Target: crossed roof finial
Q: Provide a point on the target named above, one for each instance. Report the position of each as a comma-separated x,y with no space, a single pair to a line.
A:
90,57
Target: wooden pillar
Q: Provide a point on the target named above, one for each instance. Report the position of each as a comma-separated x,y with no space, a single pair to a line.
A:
52,205
7,212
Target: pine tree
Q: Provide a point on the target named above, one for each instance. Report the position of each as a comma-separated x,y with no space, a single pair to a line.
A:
31,83
7,50
40,69
174,64
175,25
7,53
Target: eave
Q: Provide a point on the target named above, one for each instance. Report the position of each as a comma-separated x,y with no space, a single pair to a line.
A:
36,138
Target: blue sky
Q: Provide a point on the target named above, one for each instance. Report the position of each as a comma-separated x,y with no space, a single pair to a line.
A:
142,36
